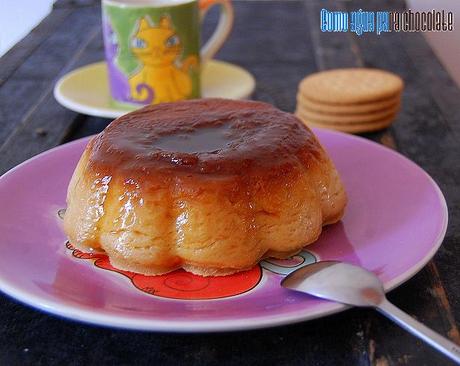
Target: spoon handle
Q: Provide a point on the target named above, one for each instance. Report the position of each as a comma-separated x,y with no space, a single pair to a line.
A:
420,330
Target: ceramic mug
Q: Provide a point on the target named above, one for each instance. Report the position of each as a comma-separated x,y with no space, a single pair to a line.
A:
152,48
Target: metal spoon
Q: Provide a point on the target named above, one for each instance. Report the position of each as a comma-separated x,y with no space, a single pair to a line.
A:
353,285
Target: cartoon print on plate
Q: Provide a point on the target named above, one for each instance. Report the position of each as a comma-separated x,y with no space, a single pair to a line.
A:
187,286
286,266
180,284
161,76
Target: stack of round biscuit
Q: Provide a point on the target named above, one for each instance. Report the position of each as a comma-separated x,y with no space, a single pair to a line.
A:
350,100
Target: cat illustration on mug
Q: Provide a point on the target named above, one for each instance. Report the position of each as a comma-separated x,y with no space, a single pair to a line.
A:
161,76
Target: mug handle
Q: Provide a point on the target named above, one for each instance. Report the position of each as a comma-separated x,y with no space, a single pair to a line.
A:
215,42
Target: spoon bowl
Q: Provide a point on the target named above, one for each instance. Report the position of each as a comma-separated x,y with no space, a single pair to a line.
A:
353,285
337,281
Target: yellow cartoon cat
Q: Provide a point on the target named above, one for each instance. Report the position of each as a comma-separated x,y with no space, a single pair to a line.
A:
159,78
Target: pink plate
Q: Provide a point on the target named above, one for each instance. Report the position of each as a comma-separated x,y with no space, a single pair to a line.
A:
394,223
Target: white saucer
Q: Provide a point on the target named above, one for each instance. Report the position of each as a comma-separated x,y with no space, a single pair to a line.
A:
86,90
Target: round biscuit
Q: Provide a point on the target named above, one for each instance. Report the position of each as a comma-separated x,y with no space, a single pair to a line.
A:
353,85
357,108
351,128
347,119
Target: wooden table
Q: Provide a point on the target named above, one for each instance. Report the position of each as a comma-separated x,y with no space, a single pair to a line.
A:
279,42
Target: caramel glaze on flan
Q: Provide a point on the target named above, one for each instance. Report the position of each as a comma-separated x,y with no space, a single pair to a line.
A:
211,186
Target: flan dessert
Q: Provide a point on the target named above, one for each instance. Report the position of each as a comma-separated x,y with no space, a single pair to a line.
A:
211,186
